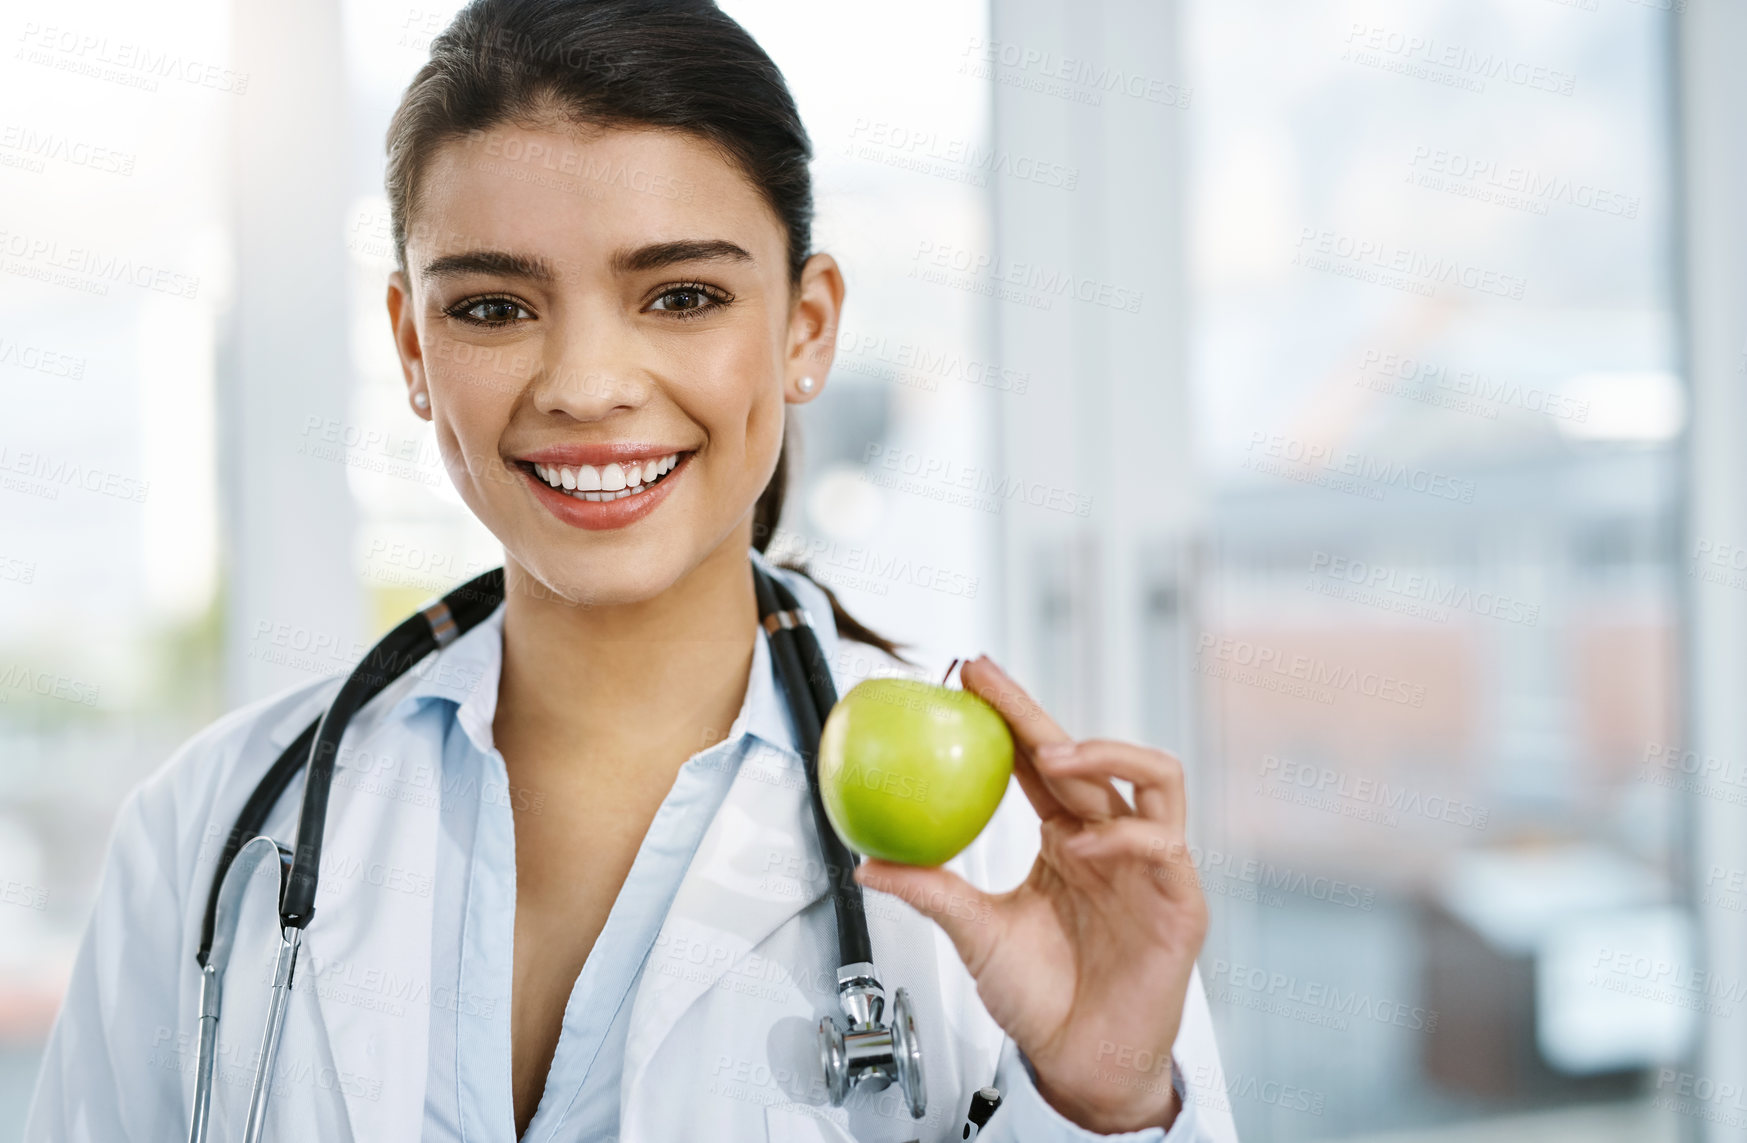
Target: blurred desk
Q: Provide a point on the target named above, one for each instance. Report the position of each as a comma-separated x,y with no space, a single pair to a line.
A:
1532,961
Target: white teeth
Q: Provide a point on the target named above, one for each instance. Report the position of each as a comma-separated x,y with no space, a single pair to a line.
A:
613,482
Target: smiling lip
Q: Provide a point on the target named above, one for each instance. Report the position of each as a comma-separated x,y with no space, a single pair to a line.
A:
599,455
600,515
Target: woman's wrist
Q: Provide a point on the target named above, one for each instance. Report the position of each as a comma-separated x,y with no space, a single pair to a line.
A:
1156,1103
1137,1115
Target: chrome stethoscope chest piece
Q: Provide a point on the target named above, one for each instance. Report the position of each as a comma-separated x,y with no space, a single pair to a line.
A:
871,1053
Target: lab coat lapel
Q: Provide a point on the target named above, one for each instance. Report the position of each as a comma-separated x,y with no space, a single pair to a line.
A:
757,866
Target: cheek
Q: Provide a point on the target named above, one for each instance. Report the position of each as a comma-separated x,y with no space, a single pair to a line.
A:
458,364
734,392
479,376
473,472
764,424
473,389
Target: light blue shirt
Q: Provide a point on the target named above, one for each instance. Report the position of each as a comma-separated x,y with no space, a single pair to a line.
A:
469,1089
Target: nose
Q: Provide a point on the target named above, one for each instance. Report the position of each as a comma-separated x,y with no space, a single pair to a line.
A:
592,367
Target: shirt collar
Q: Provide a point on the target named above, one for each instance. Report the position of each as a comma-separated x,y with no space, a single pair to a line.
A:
466,674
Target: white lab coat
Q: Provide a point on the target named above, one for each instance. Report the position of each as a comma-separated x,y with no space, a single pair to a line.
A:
722,1041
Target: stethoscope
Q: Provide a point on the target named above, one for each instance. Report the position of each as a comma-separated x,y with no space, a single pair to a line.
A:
864,1051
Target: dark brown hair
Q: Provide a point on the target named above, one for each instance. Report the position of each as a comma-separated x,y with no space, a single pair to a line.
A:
681,65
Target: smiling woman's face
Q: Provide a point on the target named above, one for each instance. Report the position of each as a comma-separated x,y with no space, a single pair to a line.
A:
609,310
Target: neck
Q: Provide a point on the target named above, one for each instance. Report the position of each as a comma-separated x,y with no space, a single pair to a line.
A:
637,685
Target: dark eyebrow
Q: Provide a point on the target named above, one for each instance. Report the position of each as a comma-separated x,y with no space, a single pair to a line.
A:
489,262
640,260
659,254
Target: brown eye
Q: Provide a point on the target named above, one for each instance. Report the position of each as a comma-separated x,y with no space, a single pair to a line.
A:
489,311
682,300
690,299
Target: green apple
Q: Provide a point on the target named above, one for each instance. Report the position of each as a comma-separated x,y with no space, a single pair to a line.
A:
912,772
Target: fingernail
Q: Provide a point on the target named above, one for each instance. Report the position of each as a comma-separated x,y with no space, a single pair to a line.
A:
1056,749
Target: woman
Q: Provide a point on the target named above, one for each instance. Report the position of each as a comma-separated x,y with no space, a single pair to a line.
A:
569,888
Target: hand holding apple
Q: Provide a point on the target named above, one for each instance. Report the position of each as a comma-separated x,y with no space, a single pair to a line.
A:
911,772
1096,947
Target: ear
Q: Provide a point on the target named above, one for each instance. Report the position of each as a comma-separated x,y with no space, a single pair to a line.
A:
813,321
406,338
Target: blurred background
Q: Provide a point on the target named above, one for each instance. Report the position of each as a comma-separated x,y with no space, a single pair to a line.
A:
1344,395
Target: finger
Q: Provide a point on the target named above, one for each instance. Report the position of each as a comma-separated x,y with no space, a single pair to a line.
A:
1089,798
1087,793
1134,845
1036,792
1157,776
966,913
981,681
1031,724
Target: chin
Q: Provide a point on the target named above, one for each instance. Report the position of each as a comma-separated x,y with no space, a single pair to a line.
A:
600,579
609,567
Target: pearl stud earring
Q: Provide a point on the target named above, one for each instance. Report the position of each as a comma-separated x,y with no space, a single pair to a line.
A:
807,384
421,399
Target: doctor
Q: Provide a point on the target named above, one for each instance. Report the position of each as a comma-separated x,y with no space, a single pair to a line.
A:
571,888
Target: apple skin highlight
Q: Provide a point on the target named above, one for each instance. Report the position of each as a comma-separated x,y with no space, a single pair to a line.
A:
911,772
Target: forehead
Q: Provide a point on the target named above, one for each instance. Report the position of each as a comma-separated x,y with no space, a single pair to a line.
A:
574,195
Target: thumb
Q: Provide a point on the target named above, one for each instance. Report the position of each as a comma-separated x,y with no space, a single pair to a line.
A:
966,913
